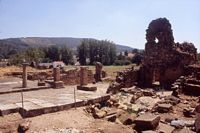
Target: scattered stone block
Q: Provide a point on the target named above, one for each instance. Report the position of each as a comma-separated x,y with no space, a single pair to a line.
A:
177,123
24,126
126,118
165,128
164,108
147,121
97,113
172,99
111,118
188,112
149,93
87,88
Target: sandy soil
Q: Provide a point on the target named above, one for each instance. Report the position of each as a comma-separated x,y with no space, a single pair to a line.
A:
72,118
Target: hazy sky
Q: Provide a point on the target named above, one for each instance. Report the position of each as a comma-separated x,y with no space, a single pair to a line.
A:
122,21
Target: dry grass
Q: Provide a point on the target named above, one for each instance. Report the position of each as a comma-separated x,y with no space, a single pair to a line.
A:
10,69
110,70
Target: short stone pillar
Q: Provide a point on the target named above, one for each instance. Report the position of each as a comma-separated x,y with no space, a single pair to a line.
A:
57,82
24,75
84,82
56,74
98,71
83,76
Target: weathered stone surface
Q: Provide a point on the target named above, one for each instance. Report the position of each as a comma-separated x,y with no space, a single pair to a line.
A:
164,108
197,109
172,99
146,102
98,71
111,118
184,130
99,114
148,93
147,122
188,112
164,60
87,88
177,123
58,84
197,124
191,89
165,128
72,76
8,109
126,118
24,126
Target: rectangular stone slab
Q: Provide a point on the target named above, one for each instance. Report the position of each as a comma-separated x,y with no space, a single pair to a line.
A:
147,121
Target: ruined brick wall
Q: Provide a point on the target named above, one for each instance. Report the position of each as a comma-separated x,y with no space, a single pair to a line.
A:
128,77
164,59
72,77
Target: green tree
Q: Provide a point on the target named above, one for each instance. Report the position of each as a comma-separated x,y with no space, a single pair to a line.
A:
67,55
34,55
126,53
83,52
102,51
54,53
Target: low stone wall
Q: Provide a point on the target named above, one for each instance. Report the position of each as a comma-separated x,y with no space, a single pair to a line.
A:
72,76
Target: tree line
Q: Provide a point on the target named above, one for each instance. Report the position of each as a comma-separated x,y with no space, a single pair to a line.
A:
103,51
87,53
43,54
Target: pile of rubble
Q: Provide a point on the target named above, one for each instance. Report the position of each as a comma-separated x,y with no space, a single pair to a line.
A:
126,78
148,110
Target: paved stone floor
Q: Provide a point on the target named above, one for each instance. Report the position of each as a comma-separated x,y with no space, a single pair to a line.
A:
14,84
49,97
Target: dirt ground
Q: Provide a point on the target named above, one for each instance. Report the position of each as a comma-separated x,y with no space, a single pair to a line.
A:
73,118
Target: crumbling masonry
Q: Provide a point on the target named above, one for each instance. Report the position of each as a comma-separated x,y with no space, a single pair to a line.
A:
164,60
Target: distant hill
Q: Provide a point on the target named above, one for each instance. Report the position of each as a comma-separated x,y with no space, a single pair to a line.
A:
12,45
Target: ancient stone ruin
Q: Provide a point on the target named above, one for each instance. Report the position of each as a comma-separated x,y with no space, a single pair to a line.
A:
98,71
72,76
164,60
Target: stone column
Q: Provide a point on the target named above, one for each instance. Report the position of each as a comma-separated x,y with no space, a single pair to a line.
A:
56,74
83,76
57,80
98,71
24,75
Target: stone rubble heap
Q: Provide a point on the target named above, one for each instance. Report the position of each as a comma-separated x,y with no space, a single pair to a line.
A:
150,111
